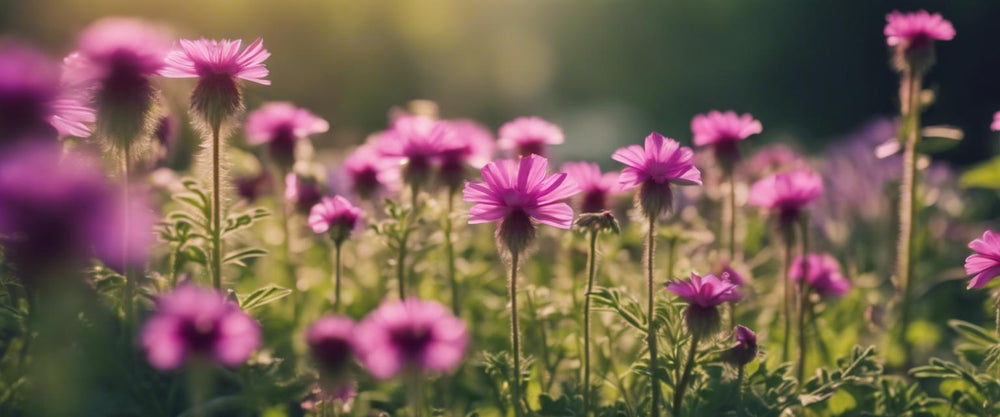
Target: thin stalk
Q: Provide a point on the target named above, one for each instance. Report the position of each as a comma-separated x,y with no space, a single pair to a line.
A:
515,338
591,273
739,391
216,208
910,103
416,394
803,298
998,314
786,295
449,248
338,271
651,332
126,271
401,256
686,376
732,216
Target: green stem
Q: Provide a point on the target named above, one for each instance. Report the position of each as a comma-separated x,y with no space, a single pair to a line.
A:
591,273
803,299
126,271
910,103
654,383
216,208
786,295
416,394
739,390
686,376
338,271
449,247
732,216
515,337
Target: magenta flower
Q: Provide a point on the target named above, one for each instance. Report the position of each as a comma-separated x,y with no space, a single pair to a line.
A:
279,125
302,191
996,122
518,194
985,263
410,334
706,292
916,29
663,161
193,322
336,216
469,144
723,131
370,175
33,102
745,349
115,59
822,274
331,344
217,65
786,194
594,186
771,159
416,142
529,135
730,274
126,232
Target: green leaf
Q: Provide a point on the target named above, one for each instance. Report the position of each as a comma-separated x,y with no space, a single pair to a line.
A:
984,175
263,296
939,138
240,257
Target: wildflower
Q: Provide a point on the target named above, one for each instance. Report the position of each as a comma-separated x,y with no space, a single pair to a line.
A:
410,334
518,194
33,102
786,194
470,144
745,349
653,168
996,122
730,274
370,175
985,263
416,142
335,216
279,125
723,132
331,344
822,274
116,59
595,187
218,65
302,190
704,295
193,322
912,35
529,135
126,233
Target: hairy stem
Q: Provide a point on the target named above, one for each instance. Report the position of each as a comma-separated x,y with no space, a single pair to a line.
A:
686,376
654,383
449,248
338,271
910,108
591,273
216,208
515,335
126,269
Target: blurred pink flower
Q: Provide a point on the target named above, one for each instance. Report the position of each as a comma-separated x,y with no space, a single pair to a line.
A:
302,191
529,135
723,132
518,194
416,142
331,344
124,235
822,274
123,47
985,263
786,193
279,125
705,292
410,334
773,158
663,161
469,144
745,349
198,322
730,274
916,29
335,216
594,186
996,122
369,174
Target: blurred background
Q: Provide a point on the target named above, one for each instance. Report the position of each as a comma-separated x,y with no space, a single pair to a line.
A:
608,72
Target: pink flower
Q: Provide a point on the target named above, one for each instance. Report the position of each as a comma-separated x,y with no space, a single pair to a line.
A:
996,122
730,274
302,191
745,349
916,29
786,193
369,174
34,103
279,125
331,344
662,162
518,194
416,142
822,274
723,129
705,292
217,65
985,263
198,322
118,46
595,186
529,135
410,334
336,216
469,144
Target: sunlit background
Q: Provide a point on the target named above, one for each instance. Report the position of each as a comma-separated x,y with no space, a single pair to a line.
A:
607,71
